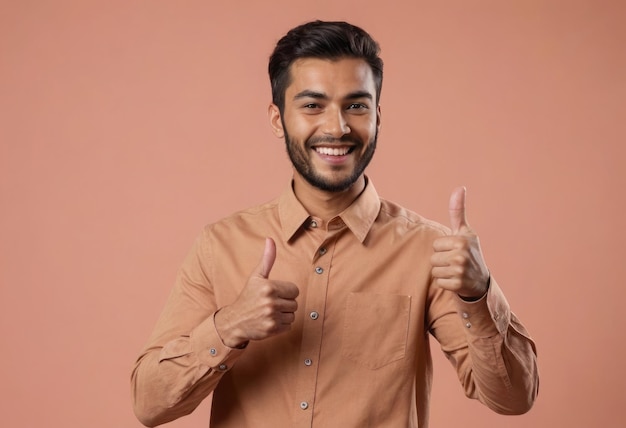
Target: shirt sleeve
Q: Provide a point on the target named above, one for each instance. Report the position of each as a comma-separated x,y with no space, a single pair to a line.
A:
185,357
493,354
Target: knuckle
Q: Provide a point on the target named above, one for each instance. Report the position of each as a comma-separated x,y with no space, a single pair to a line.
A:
265,288
267,310
459,270
461,243
270,325
459,259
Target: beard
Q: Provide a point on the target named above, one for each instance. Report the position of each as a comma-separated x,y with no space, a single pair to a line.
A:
298,154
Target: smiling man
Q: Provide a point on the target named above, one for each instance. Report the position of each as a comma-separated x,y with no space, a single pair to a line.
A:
313,310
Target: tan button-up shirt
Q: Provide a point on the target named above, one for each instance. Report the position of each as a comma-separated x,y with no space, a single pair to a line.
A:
358,352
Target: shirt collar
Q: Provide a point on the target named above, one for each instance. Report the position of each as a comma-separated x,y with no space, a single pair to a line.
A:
291,213
358,217
361,214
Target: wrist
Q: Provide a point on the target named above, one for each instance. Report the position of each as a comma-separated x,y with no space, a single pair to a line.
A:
227,331
476,297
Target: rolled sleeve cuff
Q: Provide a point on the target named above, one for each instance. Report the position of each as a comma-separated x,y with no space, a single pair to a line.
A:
487,316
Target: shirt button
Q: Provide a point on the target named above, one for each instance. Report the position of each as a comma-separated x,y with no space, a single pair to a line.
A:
468,325
308,362
304,405
465,315
323,251
319,270
313,224
222,367
314,315
213,351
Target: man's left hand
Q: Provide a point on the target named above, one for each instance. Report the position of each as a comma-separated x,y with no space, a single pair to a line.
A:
457,262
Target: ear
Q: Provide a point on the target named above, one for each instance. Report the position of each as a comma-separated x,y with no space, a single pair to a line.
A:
378,117
275,120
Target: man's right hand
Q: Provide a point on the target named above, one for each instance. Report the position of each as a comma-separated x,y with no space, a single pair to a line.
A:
264,308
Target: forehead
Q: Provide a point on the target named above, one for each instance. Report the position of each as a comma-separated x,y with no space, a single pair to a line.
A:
332,77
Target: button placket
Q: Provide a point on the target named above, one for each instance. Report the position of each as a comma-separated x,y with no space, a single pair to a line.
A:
315,305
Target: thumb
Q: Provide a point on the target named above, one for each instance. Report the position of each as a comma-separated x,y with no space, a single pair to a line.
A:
458,220
269,256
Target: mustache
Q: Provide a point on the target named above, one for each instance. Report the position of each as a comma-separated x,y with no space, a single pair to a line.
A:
332,140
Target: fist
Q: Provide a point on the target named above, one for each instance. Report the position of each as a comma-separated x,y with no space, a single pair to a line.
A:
264,308
457,261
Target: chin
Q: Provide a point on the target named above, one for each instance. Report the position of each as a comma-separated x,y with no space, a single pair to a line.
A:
335,186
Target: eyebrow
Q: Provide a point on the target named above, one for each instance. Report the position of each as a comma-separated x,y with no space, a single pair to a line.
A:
322,96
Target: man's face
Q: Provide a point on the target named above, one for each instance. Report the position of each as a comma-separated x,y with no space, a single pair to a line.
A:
330,121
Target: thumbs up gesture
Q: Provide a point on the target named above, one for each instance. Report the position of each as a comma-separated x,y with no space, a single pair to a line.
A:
457,262
264,308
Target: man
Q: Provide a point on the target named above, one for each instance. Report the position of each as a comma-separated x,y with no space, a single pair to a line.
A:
314,310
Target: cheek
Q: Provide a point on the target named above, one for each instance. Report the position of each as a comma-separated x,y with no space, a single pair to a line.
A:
366,128
302,128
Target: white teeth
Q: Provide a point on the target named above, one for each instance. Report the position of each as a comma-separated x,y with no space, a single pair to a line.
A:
332,151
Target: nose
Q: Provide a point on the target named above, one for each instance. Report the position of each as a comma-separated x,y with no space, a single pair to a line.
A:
335,123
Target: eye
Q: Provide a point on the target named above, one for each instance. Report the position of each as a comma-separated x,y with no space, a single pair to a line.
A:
357,106
310,106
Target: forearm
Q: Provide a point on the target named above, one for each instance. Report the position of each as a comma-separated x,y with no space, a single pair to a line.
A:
500,367
501,372
170,381
164,390
493,355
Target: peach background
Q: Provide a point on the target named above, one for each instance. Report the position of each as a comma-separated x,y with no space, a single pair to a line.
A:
125,126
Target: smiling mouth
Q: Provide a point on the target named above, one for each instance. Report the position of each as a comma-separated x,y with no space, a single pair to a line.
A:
334,151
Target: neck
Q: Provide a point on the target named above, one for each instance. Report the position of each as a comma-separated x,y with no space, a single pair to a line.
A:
324,204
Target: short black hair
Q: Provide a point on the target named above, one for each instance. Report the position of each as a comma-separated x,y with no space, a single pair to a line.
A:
325,40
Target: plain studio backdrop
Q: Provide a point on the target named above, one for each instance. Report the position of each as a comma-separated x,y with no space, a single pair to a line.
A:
125,126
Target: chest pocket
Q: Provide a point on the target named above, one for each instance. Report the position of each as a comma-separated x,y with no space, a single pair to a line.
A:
376,328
